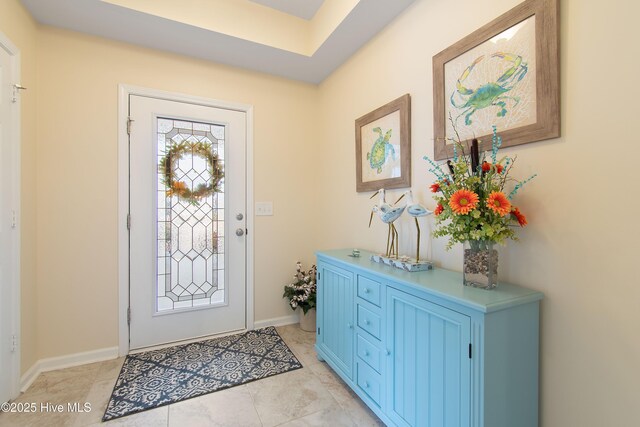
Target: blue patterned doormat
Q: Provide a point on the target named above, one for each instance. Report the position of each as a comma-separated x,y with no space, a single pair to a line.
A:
161,377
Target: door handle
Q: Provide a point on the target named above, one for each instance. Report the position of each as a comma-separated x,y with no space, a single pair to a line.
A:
239,232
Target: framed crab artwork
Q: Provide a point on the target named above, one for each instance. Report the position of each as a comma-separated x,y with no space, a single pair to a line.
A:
505,74
383,147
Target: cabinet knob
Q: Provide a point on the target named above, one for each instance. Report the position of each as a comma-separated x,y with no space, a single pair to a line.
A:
388,352
367,322
349,325
366,352
366,384
366,290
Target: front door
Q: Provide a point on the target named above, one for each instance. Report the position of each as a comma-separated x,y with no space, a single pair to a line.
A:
187,221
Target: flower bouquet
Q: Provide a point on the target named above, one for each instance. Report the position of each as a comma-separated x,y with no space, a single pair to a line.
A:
302,292
474,208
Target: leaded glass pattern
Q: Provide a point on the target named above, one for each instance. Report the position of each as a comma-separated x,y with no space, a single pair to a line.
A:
190,237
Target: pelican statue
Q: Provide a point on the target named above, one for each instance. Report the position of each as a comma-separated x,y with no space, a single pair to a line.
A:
388,214
415,210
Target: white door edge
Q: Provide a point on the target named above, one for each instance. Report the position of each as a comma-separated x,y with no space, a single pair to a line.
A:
124,91
14,52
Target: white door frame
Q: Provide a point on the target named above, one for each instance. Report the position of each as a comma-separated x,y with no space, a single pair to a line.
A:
14,262
124,91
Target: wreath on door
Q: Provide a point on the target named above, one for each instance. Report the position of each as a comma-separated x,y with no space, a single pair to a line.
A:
169,163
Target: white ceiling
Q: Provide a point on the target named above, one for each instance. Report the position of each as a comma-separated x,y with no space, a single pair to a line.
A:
305,9
101,18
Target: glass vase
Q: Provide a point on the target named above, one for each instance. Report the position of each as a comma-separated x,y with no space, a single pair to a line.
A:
480,264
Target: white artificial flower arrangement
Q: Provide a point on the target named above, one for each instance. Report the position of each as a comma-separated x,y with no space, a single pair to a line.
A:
302,292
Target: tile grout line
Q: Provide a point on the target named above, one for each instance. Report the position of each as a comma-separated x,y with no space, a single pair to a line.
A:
298,418
253,403
339,402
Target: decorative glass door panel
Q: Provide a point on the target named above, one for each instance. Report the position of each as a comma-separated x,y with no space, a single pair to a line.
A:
190,224
187,189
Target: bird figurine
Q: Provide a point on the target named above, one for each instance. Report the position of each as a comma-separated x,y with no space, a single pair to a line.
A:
415,210
388,214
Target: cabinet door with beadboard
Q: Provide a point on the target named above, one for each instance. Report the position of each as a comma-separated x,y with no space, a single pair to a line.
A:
428,363
336,316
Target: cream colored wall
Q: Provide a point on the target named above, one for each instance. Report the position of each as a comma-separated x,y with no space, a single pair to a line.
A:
20,28
77,177
581,245
579,248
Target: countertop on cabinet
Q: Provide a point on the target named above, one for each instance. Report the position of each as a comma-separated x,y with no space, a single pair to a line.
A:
439,282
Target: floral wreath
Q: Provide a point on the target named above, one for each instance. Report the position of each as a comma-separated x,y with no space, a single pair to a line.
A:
179,188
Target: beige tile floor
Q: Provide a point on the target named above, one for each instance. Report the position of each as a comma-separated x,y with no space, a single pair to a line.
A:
311,396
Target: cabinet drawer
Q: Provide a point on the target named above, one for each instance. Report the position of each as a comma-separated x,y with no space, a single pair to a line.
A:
369,353
369,290
369,382
369,321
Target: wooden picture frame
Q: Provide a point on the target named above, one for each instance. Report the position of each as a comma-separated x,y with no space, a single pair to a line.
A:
379,136
527,96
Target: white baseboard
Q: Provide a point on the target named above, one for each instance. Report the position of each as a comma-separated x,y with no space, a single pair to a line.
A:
76,359
277,321
29,377
68,361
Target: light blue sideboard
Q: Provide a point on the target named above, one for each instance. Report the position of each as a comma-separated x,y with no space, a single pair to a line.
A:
420,349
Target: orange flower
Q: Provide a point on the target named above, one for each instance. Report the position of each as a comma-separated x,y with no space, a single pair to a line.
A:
178,187
463,201
498,203
522,220
439,210
486,167
435,187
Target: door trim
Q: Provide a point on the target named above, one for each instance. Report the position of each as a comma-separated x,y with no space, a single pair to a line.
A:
124,91
14,263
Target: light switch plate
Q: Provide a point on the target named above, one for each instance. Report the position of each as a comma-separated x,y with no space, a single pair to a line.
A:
264,208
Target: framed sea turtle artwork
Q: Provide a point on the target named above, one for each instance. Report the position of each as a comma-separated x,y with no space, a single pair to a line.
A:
505,74
383,147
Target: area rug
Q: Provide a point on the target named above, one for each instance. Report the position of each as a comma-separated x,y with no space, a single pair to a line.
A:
161,377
